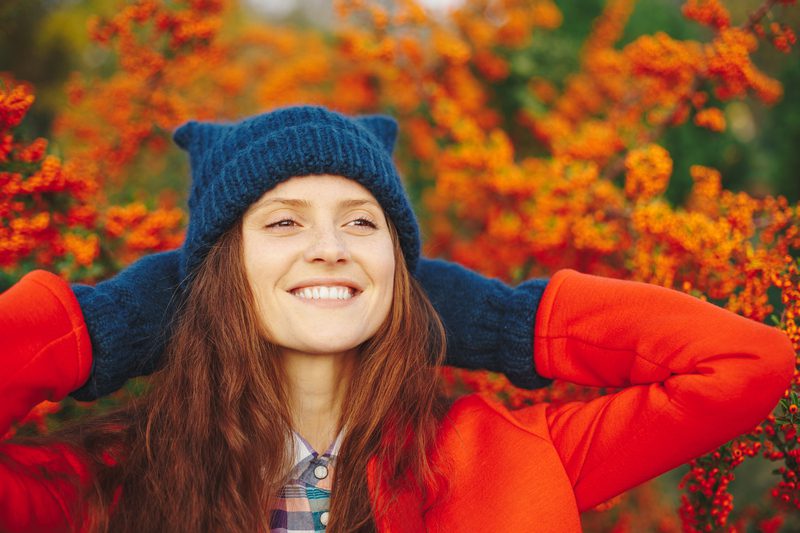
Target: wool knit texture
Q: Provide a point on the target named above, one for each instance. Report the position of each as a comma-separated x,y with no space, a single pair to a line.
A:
233,165
489,325
128,318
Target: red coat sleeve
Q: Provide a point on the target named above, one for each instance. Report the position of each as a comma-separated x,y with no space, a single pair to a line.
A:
694,376
45,354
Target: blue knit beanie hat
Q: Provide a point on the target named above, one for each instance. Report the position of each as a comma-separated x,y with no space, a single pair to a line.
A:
234,164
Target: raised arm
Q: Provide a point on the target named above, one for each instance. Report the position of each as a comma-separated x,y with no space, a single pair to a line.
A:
694,376
45,353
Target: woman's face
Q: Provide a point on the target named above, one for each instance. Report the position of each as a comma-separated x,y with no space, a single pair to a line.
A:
320,261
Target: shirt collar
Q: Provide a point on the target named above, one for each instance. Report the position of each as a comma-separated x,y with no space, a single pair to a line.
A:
303,450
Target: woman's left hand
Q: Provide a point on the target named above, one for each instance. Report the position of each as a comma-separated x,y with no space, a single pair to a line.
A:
489,324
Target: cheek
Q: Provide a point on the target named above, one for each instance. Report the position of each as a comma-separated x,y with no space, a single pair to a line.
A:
264,270
383,266
263,277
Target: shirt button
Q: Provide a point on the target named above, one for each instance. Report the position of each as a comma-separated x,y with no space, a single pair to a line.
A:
324,518
321,472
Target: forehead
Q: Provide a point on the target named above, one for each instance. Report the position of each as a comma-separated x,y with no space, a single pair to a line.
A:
316,189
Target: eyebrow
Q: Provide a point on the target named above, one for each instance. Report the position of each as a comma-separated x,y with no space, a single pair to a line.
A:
296,202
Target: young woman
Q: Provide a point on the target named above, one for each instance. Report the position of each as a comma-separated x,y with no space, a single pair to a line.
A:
298,389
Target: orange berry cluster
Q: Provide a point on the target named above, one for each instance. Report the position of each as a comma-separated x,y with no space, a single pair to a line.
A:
707,12
47,211
728,64
707,503
711,118
783,445
160,46
134,229
782,36
648,169
34,188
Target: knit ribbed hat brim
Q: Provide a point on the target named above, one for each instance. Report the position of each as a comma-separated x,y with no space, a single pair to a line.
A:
233,165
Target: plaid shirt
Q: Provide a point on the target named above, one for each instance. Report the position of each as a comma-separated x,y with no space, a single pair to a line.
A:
304,501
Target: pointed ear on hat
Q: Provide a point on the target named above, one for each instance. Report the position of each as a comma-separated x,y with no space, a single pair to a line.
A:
183,135
382,127
195,137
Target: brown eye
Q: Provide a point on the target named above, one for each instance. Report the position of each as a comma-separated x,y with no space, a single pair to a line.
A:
364,222
283,223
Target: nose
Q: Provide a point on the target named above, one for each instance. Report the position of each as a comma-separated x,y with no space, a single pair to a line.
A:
328,246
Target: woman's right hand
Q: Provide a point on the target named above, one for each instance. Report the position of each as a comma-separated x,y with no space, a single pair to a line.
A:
128,319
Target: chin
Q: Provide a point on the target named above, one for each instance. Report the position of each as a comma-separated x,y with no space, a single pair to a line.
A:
329,345
328,348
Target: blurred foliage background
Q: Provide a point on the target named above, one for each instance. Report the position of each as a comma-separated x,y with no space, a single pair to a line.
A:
530,204
44,41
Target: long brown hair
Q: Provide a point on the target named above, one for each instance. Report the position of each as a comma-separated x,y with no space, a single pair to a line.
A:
205,448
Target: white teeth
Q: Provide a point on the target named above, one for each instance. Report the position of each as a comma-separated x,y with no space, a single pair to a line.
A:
325,293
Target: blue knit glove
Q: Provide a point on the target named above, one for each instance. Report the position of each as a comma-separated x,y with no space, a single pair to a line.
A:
127,317
489,325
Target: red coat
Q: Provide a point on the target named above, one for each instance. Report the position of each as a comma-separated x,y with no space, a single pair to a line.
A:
693,376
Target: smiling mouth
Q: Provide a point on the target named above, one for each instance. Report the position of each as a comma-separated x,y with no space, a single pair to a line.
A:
330,293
